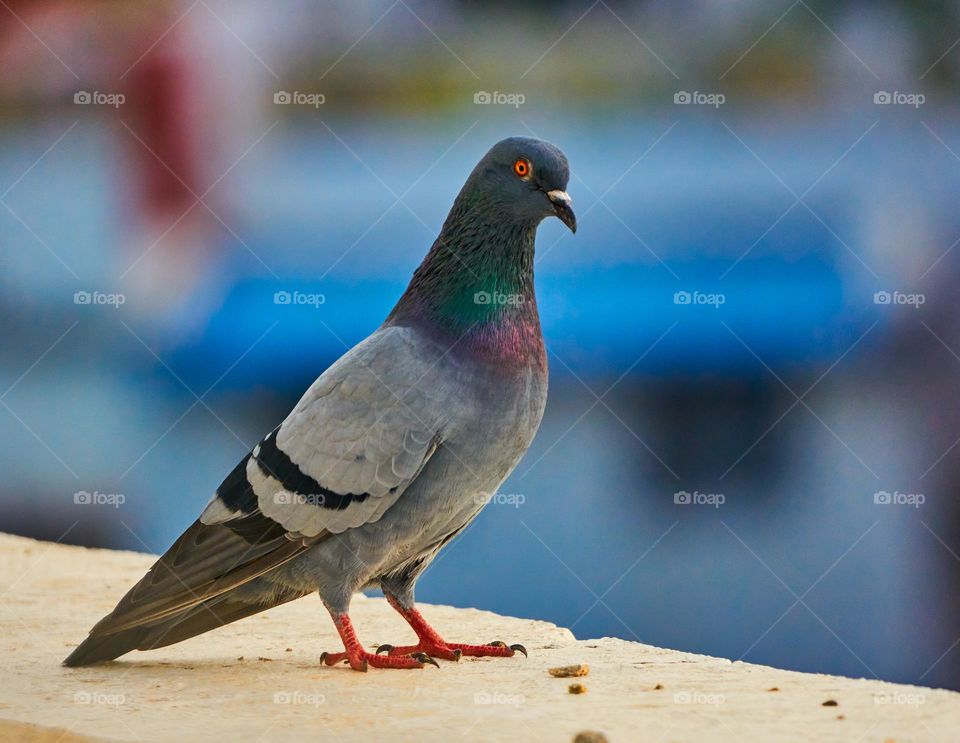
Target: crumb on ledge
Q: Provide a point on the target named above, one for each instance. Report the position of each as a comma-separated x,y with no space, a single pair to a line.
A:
563,672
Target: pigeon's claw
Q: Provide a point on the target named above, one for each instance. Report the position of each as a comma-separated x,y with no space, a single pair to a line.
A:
424,658
434,645
424,647
331,659
518,647
364,660
451,650
360,659
496,649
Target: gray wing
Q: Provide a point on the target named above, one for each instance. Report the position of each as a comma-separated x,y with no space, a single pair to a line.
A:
355,441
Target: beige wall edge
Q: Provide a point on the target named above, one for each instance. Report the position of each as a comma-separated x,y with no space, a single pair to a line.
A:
260,679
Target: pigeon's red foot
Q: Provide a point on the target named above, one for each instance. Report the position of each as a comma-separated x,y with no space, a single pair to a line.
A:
433,649
454,650
359,659
495,649
436,647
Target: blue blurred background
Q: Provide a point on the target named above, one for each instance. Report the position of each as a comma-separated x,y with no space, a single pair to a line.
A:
751,444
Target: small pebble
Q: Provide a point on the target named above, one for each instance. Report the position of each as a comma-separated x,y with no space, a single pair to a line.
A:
577,689
563,672
830,703
590,736
774,688
658,687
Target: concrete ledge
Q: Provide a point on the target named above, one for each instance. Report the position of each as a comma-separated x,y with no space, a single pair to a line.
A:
259,679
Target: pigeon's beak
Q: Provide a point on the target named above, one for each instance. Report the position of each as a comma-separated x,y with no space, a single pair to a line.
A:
561,205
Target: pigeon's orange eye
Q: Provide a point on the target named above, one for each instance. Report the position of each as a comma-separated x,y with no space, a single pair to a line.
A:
522,167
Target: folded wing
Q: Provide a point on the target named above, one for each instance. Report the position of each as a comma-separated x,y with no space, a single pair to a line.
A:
355,441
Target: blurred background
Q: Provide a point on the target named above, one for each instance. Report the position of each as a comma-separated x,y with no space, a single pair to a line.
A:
751,444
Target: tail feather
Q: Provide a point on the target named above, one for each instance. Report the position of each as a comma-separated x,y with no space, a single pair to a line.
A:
190,622
100,648
212,575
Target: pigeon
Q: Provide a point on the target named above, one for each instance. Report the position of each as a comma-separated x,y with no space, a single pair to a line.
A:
389,454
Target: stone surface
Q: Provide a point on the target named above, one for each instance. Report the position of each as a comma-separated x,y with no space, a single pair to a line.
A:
260,679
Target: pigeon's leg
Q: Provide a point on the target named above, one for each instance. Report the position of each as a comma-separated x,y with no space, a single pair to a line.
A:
359,658
434,645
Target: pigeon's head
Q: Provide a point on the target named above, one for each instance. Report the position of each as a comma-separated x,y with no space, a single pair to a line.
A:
525,178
